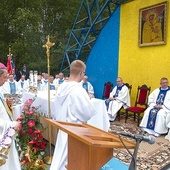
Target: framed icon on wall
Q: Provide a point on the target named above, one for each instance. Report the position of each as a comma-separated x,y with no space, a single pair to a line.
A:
152,25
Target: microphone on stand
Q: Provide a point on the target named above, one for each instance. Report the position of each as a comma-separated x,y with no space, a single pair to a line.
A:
148,139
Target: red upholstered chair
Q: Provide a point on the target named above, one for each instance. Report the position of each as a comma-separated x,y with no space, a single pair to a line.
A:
122,110
140,103
107,89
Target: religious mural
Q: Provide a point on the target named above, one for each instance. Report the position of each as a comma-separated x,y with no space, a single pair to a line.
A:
152,25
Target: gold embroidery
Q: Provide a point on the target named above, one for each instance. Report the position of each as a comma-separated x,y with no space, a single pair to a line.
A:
8,109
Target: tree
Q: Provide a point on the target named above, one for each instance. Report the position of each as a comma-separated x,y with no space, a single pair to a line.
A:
25,25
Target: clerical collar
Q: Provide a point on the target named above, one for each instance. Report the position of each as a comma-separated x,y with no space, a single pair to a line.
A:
168,88
121,85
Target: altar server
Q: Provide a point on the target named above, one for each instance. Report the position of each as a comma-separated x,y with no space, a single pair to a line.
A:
73,105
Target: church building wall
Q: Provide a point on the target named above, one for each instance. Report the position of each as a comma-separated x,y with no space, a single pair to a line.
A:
141,65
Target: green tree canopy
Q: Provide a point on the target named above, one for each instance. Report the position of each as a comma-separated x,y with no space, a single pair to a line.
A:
25,24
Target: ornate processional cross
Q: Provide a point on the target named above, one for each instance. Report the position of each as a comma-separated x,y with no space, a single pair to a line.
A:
48,45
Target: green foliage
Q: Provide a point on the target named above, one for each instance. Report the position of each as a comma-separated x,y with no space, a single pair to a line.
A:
25,25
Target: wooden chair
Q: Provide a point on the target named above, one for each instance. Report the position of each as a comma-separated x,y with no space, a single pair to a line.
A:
140,103
122,110
107,89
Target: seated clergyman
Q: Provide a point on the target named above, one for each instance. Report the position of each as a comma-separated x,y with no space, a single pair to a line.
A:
156,118
118,97
87,86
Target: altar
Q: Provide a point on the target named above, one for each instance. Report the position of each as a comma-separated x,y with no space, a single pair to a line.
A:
99,120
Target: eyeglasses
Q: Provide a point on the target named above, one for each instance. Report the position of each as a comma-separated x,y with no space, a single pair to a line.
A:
164,82
83,72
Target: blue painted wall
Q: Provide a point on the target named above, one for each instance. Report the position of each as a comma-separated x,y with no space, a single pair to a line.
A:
102,63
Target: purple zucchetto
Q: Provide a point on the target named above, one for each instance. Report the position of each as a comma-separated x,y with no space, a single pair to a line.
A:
2,66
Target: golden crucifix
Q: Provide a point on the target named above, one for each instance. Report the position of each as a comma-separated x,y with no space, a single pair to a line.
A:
48,45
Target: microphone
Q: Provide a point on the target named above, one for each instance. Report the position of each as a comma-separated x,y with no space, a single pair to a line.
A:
149,139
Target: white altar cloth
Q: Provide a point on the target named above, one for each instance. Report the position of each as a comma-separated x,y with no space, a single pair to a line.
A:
100,120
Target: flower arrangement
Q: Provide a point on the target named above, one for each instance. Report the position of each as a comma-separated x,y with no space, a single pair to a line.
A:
30,139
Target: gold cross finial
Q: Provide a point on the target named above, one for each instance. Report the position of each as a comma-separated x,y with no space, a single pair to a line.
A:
48,45
9,49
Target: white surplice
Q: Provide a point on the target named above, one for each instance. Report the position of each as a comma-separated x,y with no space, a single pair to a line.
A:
12,163
163,116
123,99
72,105
89,87
57,82
6,87
25,87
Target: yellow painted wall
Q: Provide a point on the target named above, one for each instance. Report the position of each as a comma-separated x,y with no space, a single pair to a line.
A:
141,65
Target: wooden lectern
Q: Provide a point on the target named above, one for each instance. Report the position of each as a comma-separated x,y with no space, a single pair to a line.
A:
89,148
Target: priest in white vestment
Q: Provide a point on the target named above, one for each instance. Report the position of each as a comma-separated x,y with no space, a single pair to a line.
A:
52,85
87,86
11,86
7,130
156,119
73,105
118,97
23,84
44,82
58,81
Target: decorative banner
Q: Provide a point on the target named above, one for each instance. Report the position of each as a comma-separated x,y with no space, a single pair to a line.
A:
10,64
